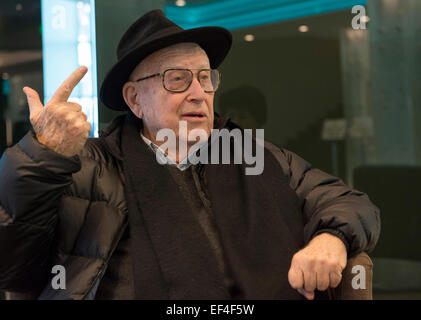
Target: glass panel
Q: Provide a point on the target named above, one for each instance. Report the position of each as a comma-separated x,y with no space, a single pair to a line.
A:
20,65
286,79
68,42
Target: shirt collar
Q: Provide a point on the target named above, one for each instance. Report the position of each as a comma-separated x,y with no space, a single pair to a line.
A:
183,165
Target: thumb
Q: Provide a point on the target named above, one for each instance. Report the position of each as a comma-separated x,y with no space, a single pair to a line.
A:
307,294
34,102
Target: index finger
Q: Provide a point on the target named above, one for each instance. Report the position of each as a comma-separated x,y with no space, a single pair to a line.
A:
65,90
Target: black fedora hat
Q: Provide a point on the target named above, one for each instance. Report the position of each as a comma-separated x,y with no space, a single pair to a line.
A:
151,32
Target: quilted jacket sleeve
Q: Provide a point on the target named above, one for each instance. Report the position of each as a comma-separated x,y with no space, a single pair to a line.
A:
32,181
328,205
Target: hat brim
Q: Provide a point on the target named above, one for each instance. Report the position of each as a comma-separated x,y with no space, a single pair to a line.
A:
215,41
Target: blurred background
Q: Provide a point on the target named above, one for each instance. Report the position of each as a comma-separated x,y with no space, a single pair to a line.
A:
336,81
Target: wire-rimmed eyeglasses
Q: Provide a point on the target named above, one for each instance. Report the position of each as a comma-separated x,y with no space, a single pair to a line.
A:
179,80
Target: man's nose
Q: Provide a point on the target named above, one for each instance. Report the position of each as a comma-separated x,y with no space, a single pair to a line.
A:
196,91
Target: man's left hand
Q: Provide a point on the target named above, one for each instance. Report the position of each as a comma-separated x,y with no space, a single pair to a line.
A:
318,266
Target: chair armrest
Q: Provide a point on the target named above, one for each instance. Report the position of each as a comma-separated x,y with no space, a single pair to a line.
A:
357,280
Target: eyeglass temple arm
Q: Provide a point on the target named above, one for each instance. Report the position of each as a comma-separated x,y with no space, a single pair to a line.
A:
151,76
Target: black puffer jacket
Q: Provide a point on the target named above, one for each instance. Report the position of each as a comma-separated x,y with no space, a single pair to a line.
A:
72,211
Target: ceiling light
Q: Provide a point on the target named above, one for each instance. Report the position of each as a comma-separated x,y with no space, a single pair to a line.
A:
364,19
18,7
249,37
180,3
303,28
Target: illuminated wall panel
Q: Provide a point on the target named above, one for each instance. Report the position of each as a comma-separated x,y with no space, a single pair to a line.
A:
68,36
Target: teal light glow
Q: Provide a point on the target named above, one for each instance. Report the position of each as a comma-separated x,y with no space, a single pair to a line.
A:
5,86
237,14
68,40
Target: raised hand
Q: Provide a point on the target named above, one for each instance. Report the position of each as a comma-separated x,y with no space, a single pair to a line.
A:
60,125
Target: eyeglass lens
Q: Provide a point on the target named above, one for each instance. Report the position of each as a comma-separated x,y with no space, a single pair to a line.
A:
178,80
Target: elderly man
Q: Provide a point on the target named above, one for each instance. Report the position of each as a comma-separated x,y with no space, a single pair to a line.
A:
124,226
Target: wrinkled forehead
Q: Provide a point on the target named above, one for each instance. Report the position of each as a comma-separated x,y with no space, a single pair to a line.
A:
173,56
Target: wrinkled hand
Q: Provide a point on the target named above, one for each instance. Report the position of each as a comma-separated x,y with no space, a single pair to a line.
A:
60,125
318,266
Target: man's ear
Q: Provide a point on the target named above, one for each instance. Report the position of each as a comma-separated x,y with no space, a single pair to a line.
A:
131,98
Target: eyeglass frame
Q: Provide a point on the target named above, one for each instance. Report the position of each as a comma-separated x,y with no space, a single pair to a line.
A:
197,76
